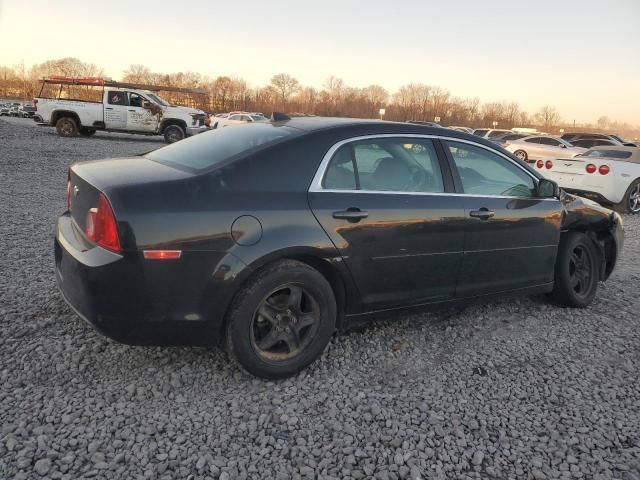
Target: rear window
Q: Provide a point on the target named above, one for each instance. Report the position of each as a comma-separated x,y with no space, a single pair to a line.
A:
221,145
607,153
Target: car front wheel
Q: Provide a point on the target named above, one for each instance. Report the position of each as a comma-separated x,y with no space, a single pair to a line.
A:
577,271
174,133
282,320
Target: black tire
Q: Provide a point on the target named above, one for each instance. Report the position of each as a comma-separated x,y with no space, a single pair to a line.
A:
577,271
87,132
521,155
631,201
174,133
67,127
248,329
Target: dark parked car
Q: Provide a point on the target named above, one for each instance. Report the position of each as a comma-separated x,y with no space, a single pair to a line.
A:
592,142
272,236
26,111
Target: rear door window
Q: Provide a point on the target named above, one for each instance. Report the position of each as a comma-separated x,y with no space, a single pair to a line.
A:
533,140
386,165
117,98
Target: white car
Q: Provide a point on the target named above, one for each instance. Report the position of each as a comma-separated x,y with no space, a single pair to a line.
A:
542,147
462,129
608,175
237,118
490,132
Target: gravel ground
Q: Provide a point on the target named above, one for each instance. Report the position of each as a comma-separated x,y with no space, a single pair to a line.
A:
514,389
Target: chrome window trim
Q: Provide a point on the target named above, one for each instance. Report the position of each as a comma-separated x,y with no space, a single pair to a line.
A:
316,184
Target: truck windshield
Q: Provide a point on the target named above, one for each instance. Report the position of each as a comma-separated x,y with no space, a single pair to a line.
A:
220,146
158,100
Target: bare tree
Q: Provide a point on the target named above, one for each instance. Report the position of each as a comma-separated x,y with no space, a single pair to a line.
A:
286,85
137,73
547,116
604,122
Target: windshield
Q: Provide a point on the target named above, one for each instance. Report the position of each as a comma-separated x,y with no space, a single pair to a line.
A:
258,118
158,100
601,152
221,145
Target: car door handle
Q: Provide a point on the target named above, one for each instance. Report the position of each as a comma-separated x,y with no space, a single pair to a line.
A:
483,213
351,214
108,108
131,110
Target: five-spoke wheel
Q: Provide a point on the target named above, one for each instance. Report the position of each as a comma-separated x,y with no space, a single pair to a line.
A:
577,270
281,320
285,322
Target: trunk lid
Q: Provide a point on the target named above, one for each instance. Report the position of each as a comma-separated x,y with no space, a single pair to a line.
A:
89,179
573,166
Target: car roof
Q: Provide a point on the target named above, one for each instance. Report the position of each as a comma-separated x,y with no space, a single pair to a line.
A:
375,127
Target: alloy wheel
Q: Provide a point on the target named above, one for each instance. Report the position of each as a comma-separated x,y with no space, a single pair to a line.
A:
285,323
634,199
581,270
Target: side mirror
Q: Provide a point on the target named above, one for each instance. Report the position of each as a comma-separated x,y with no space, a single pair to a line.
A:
146,104
548,189
562,145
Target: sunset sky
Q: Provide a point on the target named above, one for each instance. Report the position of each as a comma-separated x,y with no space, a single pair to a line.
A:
581,56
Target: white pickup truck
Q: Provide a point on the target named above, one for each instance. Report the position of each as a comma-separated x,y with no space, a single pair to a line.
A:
121,110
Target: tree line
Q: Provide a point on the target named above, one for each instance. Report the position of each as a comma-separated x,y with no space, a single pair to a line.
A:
413,101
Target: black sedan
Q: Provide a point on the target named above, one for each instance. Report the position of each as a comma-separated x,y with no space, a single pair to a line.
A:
273,236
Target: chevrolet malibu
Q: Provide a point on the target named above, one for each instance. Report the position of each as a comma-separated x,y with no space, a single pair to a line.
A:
270,237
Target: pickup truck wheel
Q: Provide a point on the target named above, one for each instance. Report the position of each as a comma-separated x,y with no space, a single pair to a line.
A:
87,132
631,201
174,133
66,127
577,271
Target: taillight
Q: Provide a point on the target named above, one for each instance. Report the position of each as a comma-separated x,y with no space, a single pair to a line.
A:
539,164
101,226
604,169
549,164
591,168
35,104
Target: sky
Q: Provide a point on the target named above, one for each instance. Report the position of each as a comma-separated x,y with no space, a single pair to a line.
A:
582,56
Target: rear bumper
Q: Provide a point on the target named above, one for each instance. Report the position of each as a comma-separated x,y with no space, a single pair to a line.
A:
137,301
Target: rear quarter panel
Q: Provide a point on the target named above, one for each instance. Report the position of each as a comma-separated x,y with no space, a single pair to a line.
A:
88,112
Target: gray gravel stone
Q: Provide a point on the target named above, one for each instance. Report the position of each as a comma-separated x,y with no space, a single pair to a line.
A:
42,466
518,388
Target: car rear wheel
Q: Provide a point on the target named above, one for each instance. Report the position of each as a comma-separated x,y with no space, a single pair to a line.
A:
281,321
521,155
577,271
631,201
174,133
67,127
